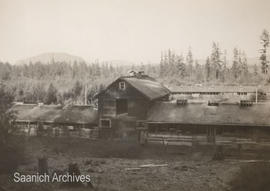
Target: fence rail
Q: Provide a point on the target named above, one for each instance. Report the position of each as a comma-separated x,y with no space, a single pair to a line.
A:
202,140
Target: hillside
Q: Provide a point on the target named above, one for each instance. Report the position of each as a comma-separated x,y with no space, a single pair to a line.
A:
53,56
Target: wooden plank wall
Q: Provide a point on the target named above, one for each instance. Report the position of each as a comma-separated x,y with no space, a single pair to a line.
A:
189,140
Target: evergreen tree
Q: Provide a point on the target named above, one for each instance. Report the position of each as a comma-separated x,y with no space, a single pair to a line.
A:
225,66
236,66
215,61
38,92
243,67
265,44
6,116
172,65
51,96
10,150
189,61
198,72
181,67
165,63
207,69
77,89
161,65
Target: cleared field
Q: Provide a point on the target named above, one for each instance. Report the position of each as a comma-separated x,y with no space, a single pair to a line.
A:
115,165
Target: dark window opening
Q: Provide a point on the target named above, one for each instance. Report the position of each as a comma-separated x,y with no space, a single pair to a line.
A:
122,85
241,93
181,102
105,123
213,103
121,106
246,103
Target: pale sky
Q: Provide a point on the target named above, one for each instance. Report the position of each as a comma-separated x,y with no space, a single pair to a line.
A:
134,30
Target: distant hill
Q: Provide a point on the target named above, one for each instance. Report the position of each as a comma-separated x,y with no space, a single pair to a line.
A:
50,57
69,58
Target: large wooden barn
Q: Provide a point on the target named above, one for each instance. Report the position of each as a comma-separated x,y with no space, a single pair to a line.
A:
127,100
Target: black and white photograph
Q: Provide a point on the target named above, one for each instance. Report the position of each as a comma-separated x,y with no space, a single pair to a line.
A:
134,95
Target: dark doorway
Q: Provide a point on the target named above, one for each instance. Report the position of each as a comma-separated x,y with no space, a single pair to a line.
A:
121,106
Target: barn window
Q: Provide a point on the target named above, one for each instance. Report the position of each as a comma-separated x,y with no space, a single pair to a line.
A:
181,102
121,106
105,123
213,103
244,103
122,85
241,93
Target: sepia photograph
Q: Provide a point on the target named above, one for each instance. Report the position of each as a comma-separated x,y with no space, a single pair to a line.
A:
134,95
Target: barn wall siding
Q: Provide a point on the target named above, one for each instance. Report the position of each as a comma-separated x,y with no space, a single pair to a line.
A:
137,103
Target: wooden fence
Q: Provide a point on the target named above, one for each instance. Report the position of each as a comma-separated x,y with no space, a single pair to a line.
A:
189,140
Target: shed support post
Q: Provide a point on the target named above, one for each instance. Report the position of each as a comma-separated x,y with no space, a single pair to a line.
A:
29,129
211,135
256,95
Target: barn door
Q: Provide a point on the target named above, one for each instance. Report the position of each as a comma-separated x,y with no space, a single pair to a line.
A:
211,134
121,106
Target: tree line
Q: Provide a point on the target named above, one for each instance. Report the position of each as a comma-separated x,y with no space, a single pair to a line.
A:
78,82
216,68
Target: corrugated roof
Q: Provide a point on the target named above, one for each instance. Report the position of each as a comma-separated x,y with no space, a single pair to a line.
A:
150,88
201,113
56,114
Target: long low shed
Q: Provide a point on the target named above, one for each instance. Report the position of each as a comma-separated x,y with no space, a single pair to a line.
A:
73,114
221,120
56,120
202,113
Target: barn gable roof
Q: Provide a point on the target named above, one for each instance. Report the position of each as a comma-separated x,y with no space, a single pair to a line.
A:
150,88
201,113
146,85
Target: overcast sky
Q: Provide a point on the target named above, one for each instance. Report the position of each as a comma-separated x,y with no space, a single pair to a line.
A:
134,30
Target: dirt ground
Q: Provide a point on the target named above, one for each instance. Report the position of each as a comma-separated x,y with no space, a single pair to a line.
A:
109,162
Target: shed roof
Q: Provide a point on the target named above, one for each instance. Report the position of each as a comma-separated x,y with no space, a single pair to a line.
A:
220,88
201,113
55,114
78,114
21,111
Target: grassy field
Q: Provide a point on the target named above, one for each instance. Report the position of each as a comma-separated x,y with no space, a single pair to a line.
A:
109,162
